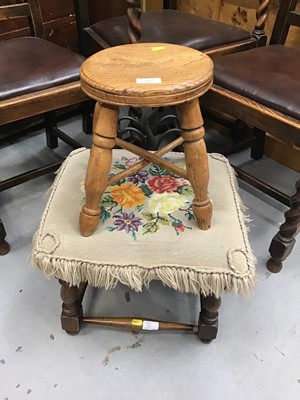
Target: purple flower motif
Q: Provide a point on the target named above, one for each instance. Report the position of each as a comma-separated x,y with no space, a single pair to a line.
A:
127,222
138,177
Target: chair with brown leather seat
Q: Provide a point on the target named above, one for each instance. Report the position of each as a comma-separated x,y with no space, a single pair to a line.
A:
175,27
261,87
36,77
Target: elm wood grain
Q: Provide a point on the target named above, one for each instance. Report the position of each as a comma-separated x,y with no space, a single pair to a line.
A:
71,316
143,163
104,78
283,242
97,175
151,157
4,246
192,131
208,318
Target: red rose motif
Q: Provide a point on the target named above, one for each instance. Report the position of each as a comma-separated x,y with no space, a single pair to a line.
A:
162,184
178,227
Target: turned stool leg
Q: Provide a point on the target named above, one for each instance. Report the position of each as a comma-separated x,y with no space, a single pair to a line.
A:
71,316
192,131
284,241
105,130
208,318
4,246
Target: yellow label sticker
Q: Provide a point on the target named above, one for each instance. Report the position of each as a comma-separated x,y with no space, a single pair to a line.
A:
158,48
137,322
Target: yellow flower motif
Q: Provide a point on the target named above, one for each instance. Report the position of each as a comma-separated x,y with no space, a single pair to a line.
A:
166,203
127,195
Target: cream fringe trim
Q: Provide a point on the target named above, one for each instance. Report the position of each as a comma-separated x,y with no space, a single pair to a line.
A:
136,277
108,276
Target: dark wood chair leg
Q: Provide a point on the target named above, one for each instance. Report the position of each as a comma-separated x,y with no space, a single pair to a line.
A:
87,116
50,124
258,146
208,318
71,316
238,131
4,246
284,241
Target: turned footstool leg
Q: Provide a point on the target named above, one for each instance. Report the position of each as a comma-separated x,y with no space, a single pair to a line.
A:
284,241
4,246
105,130
192,131
208,318
71,316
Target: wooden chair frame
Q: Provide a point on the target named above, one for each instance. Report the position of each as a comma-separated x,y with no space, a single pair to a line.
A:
45,101
258,38
282,126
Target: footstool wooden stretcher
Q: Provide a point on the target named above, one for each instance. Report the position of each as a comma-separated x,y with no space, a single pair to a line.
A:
147,232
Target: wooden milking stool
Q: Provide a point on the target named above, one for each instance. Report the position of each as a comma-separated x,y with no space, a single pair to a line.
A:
146,75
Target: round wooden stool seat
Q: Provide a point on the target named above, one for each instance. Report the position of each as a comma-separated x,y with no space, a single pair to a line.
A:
146,74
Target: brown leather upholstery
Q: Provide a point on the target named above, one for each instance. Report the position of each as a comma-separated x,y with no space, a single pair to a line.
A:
268,75
174,27
30,64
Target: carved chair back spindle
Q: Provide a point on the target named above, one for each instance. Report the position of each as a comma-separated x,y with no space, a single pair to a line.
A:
170,26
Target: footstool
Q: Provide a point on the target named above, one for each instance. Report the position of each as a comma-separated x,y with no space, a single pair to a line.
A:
147,232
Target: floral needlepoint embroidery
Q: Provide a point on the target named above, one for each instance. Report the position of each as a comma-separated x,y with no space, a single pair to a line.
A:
128,223
162,184
138,177
146,202
127,195
166,203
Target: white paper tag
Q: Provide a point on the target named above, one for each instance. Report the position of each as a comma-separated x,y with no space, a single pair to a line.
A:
150,325
147,80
